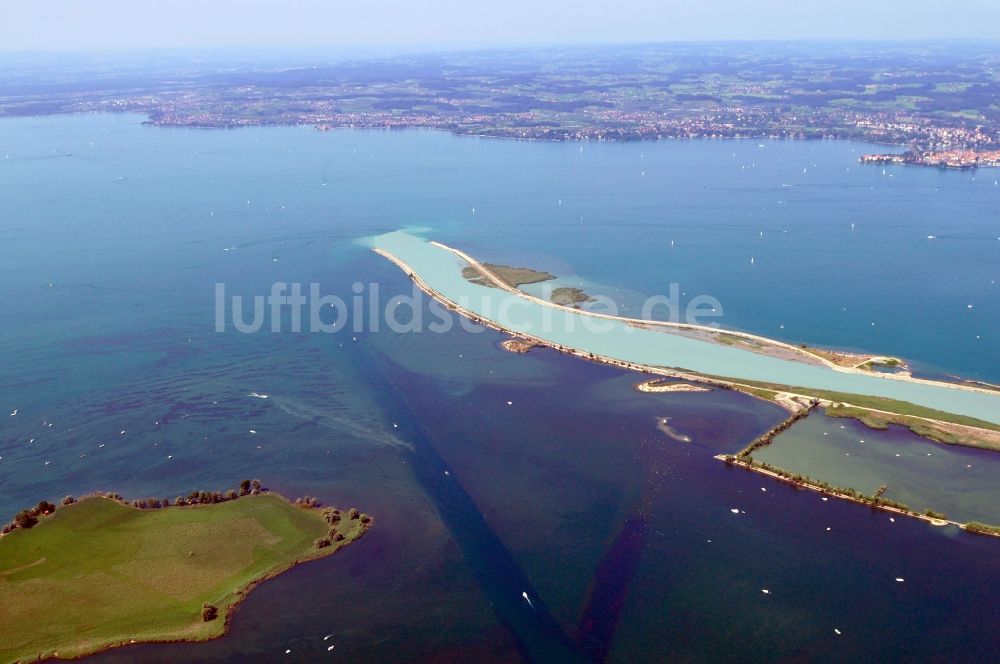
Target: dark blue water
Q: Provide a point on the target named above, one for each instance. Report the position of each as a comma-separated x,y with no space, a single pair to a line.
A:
115,234
582,462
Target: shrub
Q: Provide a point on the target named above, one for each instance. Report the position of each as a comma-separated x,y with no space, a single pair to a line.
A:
209,612
321,543
68,500
24,519
244,487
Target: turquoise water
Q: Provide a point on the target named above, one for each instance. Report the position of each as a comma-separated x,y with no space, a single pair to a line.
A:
115,234
442,271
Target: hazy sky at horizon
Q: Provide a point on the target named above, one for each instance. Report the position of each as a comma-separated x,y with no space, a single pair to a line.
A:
115,24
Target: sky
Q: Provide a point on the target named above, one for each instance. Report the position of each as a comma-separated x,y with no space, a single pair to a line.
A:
98,25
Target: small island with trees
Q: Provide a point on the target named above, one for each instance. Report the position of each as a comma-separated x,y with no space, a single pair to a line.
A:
102,571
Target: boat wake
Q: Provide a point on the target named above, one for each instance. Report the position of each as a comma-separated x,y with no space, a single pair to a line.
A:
346,422
663,425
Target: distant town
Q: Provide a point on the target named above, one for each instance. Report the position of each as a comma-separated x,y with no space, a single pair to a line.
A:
958,158
941,101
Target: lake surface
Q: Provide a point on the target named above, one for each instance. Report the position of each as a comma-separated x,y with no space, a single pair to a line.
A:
115,235
958,481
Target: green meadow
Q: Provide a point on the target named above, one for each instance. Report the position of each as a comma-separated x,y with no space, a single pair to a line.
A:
100,573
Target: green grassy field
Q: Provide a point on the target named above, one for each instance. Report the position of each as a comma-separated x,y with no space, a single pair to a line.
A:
99,573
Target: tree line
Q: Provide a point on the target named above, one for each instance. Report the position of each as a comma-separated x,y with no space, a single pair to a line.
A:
27,518
333,518
876,499
767,438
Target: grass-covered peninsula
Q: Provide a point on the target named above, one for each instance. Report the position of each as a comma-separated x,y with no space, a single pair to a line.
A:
102,572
